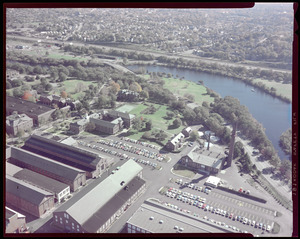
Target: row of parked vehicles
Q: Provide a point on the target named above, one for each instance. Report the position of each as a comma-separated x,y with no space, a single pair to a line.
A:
140,143
206,190
200,202
121,155
128,148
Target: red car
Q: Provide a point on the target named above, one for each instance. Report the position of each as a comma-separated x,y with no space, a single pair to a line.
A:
231,215
204,205
241,190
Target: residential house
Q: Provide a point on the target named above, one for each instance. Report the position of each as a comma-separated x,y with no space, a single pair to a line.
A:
174,143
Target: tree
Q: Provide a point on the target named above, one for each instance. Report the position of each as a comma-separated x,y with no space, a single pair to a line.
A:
149,124
28,96
238,150
64,94
135,87
137,124
56,114
161,136
114,87
17,93
170,114
177,123
144,94
16,83
48,87
194,135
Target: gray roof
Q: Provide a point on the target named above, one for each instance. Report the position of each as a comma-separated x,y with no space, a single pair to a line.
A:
103,123
170,218
113,205
25,190
16,119
63,150
204,158
12,169
41,181
47,164
104,192
23,106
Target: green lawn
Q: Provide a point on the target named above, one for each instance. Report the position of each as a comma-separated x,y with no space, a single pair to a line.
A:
182,87
158,121
282,89
71,85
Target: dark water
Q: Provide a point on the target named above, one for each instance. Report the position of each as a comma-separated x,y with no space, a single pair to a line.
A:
272,113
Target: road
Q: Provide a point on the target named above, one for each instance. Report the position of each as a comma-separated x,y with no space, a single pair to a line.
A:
210,61
283,189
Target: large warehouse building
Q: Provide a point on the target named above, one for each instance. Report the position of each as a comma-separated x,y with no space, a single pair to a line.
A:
91,163
154,217
94,211
50,168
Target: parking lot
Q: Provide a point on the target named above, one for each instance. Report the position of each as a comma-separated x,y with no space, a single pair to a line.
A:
125,148
221,208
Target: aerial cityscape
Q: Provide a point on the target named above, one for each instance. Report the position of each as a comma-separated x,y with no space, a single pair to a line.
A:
149,120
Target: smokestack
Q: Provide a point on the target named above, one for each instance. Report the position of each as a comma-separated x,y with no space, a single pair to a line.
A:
208,141
231,149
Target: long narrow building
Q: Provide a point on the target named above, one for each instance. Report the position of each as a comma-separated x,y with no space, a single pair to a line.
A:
91,163
95,211
48,167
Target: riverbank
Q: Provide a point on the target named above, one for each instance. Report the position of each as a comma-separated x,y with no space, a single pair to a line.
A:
271,87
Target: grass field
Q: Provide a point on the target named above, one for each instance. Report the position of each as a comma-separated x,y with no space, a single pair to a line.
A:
71,85
182,87
158,121
282,89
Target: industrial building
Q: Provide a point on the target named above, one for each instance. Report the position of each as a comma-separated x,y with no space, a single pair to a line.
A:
154,217
94,209
91,163
27,197
15,222
71,176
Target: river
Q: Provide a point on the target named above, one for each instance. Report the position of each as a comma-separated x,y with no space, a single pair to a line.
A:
272,113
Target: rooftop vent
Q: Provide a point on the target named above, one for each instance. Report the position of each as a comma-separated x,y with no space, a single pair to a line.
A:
181,229
151,218
176,227
161,221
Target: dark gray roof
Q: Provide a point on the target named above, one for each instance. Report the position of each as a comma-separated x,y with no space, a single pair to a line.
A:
44,163
204,158
23,106
26,191
41,181
65,151
112,206
103,123
12,169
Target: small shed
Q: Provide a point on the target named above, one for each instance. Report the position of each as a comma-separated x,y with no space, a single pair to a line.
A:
212,181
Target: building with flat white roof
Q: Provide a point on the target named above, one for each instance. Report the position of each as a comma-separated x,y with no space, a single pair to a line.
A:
212,181
154,217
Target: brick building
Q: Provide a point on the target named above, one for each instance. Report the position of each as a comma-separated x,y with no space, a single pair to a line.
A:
15,222
17,123
48,167
174,143
39,113
27,197
58,189
91,163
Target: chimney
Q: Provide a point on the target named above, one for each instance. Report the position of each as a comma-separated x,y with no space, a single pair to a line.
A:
208,141
231,149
